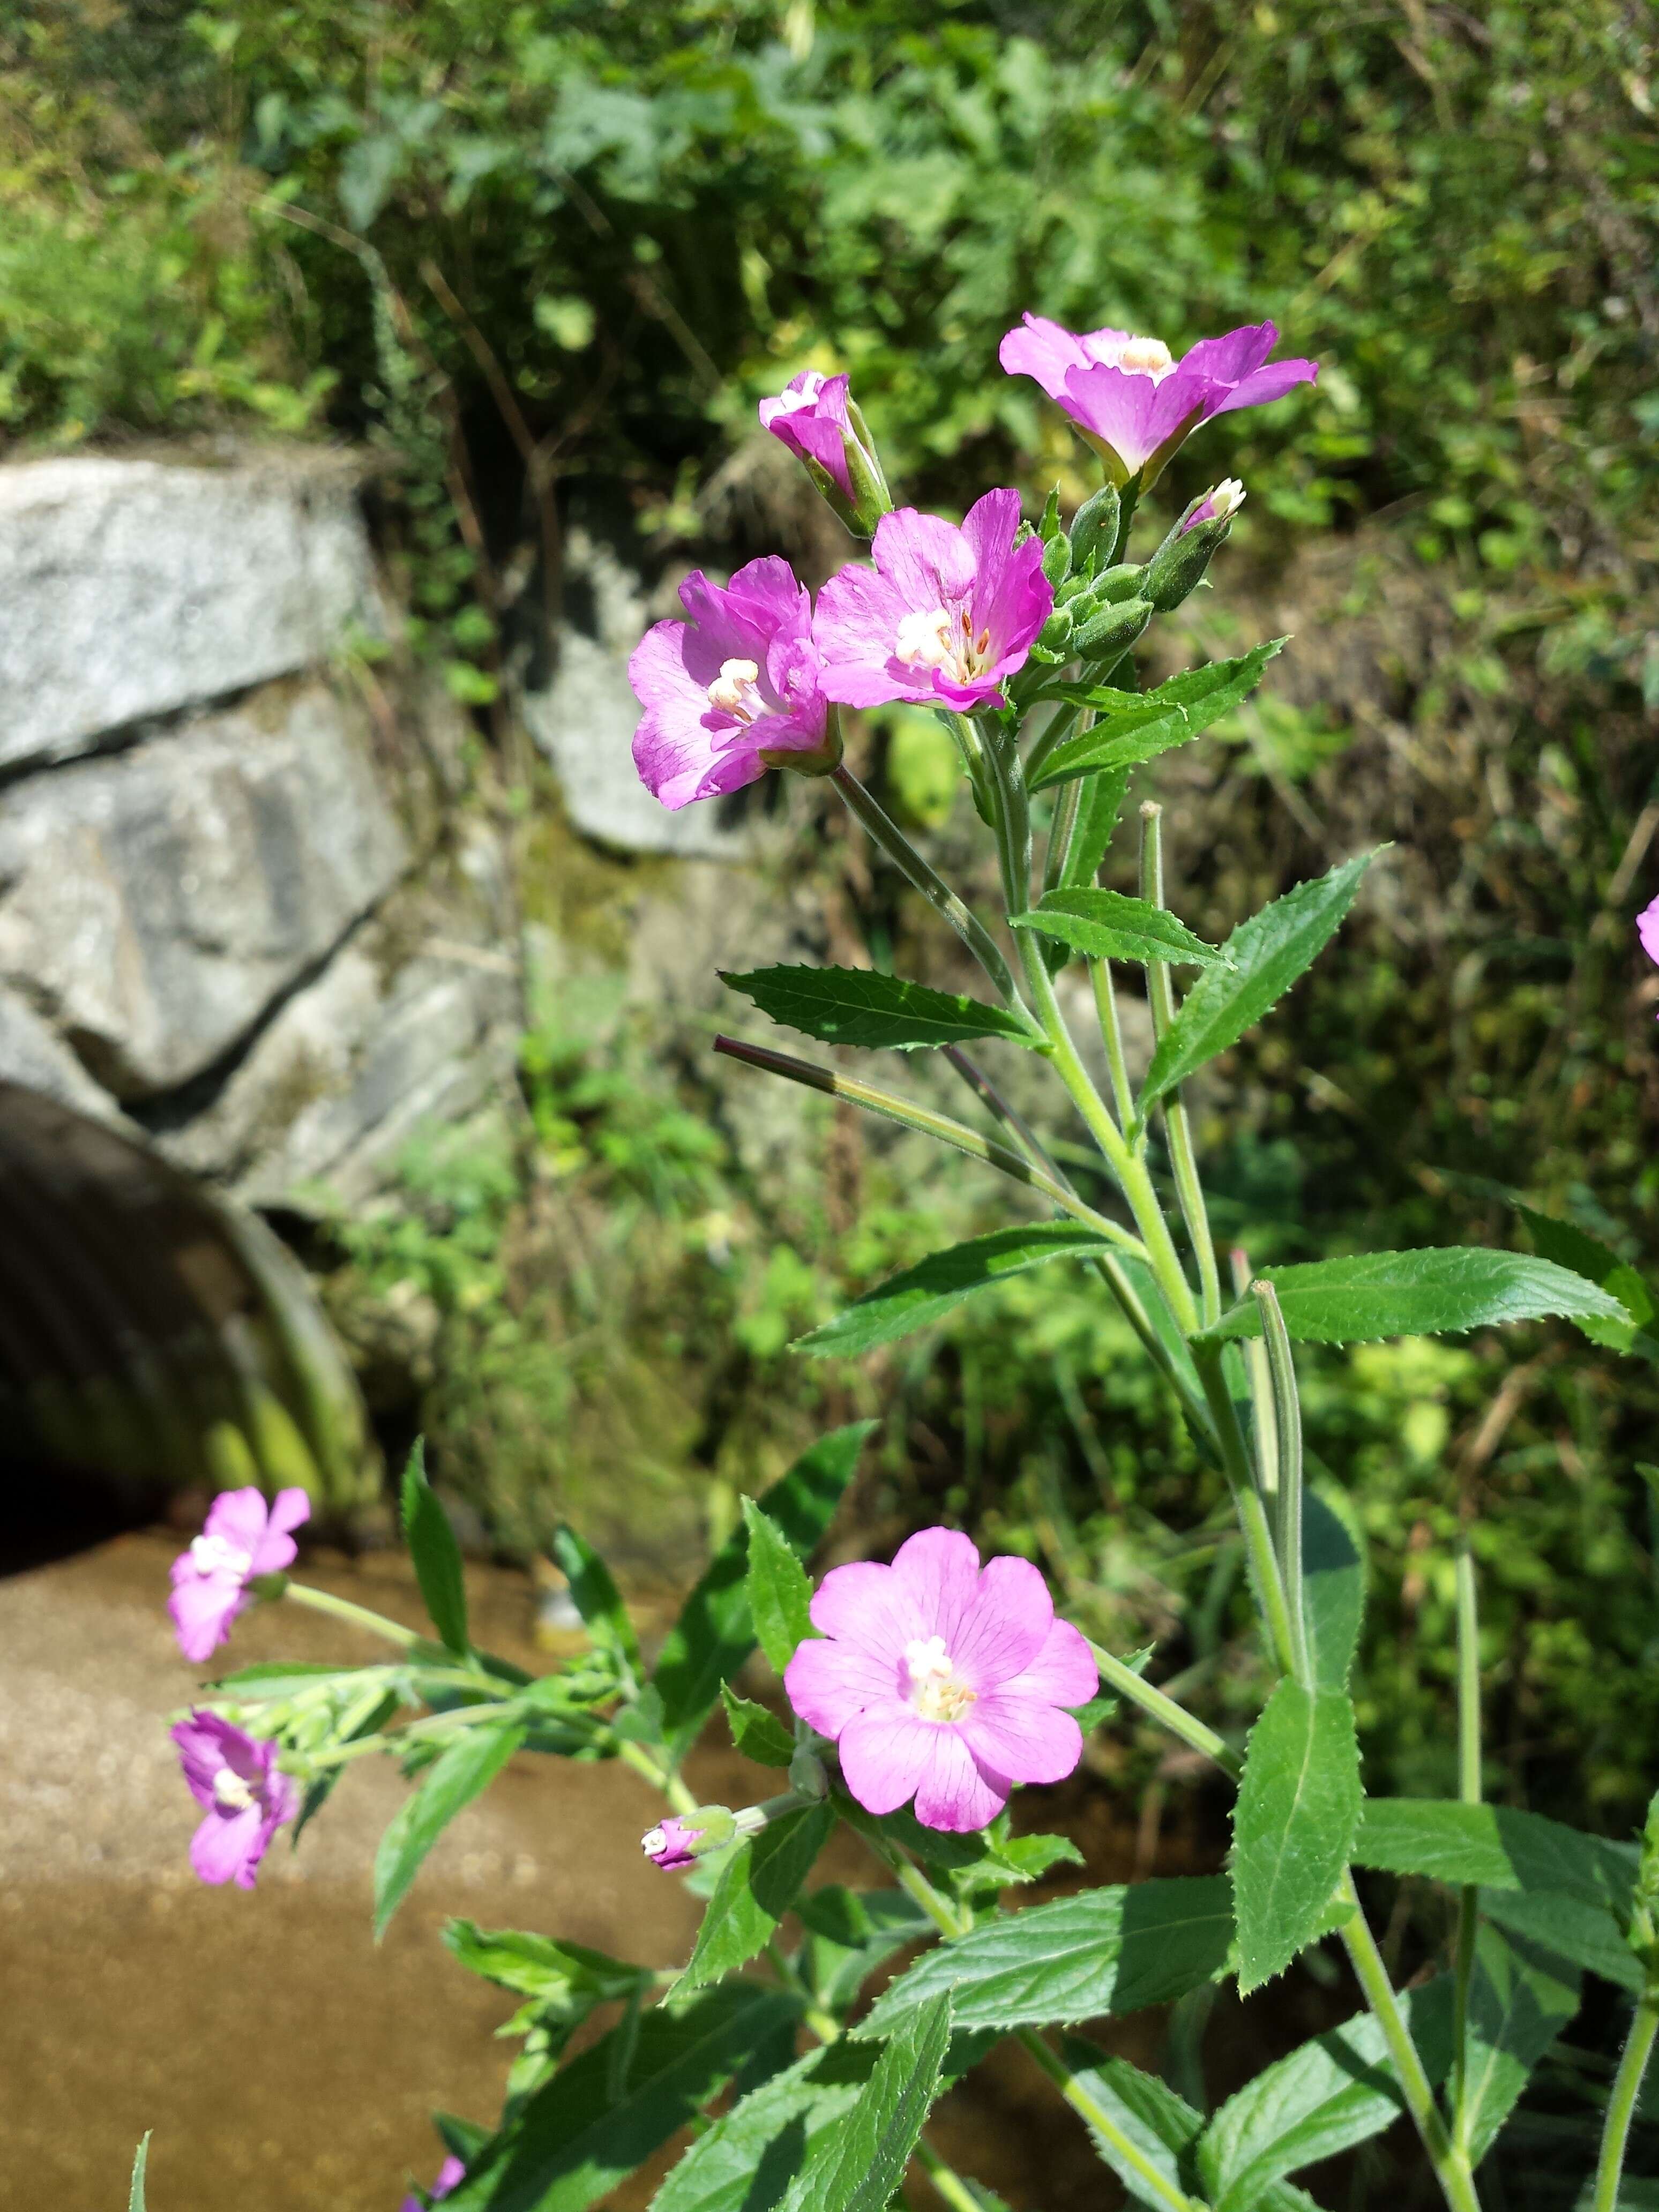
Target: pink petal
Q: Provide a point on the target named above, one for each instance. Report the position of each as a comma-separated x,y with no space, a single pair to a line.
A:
228,1847
203,1607
938,1571
767,593
1002,1632
869,1608
958,1793
885,1751
1021,1738
1062,1673
988,527
928,560
1117,407
1267,384
829,1684
277,1548
1235,356
239,1516
1045,352
1647,928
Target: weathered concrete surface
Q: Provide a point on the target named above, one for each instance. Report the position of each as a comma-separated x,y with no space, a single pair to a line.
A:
154,903
131,588
31,1052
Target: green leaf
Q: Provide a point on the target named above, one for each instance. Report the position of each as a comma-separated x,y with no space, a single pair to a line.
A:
861,2162
1333,1585
1519,2002
1569,1247
281,1678
779,1592
1332,2093
140,2160
751,2155
460,1773
1161,2127
714,1633
1298,1806
1495,1847
1098,808
1107,926
1264,956
923,1292
536,1965
850,1933
1102,1707
857,1007
758,1735
598,1601
1568,1928
1149,723
574,2139
757,1885
436,1555
1429,1293
1107,1951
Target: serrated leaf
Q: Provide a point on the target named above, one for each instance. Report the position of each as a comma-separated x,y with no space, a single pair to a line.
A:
579,2135
1441,1291
758,1883
758,1735
596,1597
1332,2093
140,2162
435,1554
1109,1950
1107,925
1333,1586
861,2161
858,1006
1266,955
754,2152
1160,2127
1298,1808
1494,1847
1098,808
780,1595
1565,1926
923,1292
461,1772
281,1678
1520,2000
1150,723
714,1633
536,1966
1571,1246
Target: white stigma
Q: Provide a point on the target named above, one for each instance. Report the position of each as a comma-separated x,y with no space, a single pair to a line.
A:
1226,499
1143,356
792,403
213,1555
231,1792
937,1695
933,637
735,691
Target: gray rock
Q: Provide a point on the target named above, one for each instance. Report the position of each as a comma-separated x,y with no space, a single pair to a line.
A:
131,588
33,1055
156,902
584,723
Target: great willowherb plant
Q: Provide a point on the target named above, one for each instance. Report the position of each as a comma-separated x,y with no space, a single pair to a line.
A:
938,1683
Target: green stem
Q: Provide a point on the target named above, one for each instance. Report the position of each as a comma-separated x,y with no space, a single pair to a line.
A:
1259,1375
430,1724
1157,2187
1468,1791
359,1616
948,2183
1621,2105
885,832
636,1756
823,2024
1129,499
1287,1421
1164,1709
1061,830
1247,1500
1450,2163
1111,1036
1184,1156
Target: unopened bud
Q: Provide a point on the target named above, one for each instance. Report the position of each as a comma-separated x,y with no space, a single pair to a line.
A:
1057,559
1177,566
1094,529
683,1837
1056,633
1112,630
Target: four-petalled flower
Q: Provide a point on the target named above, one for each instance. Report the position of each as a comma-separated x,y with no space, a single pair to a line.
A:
233,1778
945,617
940,1681
1132,400
243,1538
731,692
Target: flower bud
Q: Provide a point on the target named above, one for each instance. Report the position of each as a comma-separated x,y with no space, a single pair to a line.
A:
807,1774
1113,629
1094,529
822,426
1177,566
1057,559
682,1838
1055,635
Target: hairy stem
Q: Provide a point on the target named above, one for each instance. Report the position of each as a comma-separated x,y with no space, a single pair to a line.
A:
1621,2105
1183,1157
660,1778
1164,1709
1287,1421
1468,1791
359,1616
1157,2187
1111,1036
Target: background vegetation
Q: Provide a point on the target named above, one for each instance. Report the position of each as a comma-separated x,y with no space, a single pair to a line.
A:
545,256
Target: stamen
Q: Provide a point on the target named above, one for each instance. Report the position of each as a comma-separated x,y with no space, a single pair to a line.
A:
231,1791
733,691
939,1695
924,639
1147,357
214,1555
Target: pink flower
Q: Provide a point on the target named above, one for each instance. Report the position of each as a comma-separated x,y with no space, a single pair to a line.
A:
243,1539
450,2174
1132,400
731,692
1217,506
234,1778
944,615
1647,928
940,1681
676,1841
809,415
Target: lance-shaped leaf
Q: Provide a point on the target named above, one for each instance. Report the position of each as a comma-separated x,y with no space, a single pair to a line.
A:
1098,807
436,1555
1332,2093
923,1292
855,1005
1333,1586
587,2129
463,1772
757,1885
1520,2000
1442,1289
1156,2130
1107,925
1571,1246
1148,723
779,1592
752,2154
861,2161
598,1601
1107,1951
1266,955
136,2187
758,1734
1298,1806
716,1632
